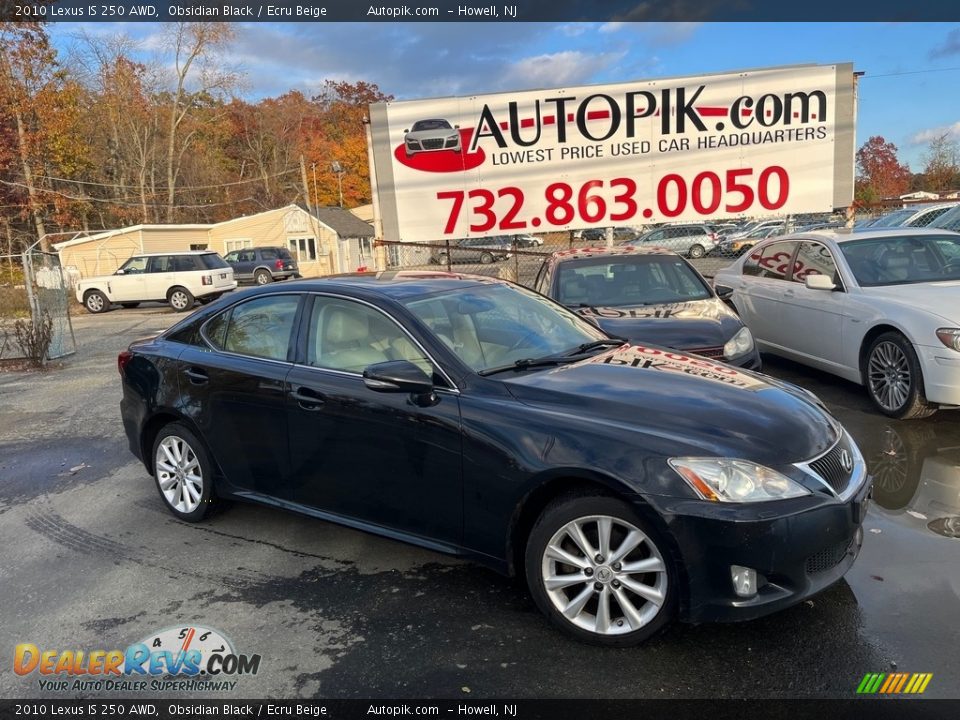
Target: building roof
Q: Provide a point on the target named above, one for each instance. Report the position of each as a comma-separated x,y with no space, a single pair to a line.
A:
104,234
343,222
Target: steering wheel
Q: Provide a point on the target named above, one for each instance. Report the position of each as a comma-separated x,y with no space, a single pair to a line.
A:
952,265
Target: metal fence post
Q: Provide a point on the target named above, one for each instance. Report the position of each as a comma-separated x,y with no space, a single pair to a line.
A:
516,260
449,260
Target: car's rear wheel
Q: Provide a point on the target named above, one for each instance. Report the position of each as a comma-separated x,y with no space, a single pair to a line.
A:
183,473
600,572
894,379
130,305
442,259
180,299
696,251
95,301
486,258
262,277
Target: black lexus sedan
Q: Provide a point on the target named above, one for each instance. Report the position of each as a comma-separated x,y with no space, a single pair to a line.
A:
630,485
648,295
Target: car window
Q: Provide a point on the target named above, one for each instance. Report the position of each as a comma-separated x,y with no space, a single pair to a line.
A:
906,259
349,336
638,280
258,328
186,263
655,236
268,254
232,256
493,325
135,266
161,264
247,256
212,261
814,258
771,261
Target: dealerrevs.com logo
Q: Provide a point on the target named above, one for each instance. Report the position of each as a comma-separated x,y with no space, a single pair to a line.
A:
179,659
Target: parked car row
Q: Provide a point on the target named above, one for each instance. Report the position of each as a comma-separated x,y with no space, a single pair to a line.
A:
183,278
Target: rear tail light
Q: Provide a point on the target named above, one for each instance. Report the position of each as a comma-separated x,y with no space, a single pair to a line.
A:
123,359
207,280
278,264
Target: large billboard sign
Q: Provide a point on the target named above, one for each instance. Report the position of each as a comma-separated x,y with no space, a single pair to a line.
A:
758,142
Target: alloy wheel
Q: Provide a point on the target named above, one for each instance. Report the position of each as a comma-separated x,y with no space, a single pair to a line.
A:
889,375
179,300
605,575
95,302
179,474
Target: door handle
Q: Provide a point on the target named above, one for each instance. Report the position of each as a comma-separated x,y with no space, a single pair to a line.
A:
308,399
196,375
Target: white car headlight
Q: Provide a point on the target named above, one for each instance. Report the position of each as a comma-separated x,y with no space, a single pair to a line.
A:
728,480
950,337
739,344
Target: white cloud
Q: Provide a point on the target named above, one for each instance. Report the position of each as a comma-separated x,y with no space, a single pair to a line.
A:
611,27
925,136
573,29
569,67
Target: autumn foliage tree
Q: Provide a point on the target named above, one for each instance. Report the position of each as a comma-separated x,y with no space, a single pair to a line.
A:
942,169
880,174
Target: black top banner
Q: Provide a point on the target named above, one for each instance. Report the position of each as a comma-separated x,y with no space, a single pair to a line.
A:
474,11
180,709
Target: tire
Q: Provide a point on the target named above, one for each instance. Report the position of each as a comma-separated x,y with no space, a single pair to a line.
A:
894,379
262,277
180,299
189,494
486,258
631,618
130,305
95,302
696,251
442,259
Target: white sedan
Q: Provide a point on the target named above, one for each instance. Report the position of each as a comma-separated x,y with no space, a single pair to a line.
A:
879,308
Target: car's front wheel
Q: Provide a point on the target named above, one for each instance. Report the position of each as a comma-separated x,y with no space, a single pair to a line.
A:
183,473
894,379
696,251
95,301
180,299
486,258
600,572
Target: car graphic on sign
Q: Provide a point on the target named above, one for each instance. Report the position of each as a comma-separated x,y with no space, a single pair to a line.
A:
430,136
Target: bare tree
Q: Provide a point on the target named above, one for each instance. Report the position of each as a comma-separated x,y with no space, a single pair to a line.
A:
198,74
942,163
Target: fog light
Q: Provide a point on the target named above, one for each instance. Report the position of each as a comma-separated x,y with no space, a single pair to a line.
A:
744,580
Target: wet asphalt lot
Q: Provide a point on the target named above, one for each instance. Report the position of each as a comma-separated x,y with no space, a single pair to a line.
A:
90,559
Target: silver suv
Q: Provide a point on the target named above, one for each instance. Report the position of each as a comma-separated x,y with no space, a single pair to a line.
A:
694,240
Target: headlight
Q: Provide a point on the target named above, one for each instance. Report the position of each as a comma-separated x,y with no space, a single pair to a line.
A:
453,137
739,344
727,480
950,337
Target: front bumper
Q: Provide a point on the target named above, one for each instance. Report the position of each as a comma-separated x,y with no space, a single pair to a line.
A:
748,361
941,374
798,553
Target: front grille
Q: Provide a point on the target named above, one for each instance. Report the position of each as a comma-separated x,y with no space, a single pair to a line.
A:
826,559
710,352
432,144
831,468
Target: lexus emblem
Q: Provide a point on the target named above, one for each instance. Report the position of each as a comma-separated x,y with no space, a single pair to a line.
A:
845,460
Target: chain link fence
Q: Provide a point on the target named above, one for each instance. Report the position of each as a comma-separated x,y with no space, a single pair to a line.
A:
708,246
35,307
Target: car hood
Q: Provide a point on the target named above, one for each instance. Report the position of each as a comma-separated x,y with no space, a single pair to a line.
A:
687,405
696,324
430,134
938,298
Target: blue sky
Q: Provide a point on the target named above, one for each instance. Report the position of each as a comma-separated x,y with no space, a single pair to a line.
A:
909,93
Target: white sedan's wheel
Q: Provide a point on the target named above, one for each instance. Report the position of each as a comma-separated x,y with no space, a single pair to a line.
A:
894,379
599,572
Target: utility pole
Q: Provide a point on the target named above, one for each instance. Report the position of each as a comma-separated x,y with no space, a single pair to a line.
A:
306,185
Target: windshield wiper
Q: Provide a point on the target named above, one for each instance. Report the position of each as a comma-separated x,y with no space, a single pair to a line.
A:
546,360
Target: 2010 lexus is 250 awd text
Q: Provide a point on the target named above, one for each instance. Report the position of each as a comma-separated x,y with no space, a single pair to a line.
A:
630,485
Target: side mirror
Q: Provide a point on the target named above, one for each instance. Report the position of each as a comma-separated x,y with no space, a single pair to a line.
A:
723,292
819,282
397,376
406,131
456,127
121,271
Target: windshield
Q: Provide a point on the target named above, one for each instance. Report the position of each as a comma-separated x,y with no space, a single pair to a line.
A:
493,325
431,125
950,220
629,280
893,219
902,260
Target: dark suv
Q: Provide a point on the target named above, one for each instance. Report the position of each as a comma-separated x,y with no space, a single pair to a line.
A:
262,264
